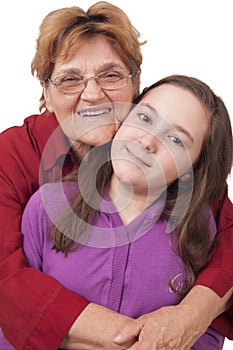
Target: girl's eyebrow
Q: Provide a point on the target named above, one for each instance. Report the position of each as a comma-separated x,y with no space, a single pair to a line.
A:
176,126
148,105
184,131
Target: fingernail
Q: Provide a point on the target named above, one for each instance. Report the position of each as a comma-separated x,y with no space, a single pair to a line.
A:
117,338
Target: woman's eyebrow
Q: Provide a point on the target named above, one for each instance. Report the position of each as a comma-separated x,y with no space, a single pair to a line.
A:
105,66
110,65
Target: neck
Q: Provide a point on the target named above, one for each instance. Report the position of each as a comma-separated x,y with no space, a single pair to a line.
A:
128,202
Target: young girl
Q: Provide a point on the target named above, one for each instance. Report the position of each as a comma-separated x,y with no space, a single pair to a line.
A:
132,234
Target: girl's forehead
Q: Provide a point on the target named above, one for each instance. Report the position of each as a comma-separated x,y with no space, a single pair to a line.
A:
173,99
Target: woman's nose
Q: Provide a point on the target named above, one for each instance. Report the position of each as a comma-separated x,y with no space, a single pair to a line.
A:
92,90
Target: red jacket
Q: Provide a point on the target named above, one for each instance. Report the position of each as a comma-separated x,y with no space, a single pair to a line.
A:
36,312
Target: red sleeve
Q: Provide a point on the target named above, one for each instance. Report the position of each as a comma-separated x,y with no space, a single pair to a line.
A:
218,274
36,311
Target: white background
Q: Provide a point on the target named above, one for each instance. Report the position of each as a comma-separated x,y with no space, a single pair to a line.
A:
183,36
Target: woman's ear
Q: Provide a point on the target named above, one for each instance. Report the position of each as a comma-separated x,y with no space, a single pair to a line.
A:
46,96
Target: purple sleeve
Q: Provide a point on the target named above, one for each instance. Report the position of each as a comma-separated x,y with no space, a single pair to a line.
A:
34,222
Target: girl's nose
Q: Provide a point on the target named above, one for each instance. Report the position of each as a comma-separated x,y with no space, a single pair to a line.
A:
149,142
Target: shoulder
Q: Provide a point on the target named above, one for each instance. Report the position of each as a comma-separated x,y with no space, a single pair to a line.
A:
58,191
34,130
52,199
22,146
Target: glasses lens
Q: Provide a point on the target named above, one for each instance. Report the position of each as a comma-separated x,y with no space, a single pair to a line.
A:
114,84
112,80
69,84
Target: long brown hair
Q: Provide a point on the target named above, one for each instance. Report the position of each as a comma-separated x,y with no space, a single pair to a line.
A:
93,177
210,173
64,30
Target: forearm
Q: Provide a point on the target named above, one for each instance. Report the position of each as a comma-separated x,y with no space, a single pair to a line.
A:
206,303
32,302
95,328
177,327
37,310
218,274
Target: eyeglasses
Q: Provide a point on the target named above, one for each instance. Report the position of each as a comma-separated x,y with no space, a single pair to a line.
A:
74,83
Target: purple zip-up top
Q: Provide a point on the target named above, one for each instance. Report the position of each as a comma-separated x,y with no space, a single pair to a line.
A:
125,268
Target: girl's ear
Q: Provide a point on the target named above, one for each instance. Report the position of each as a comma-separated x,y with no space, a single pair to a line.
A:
187,176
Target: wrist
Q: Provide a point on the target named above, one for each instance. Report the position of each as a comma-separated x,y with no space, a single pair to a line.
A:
204,301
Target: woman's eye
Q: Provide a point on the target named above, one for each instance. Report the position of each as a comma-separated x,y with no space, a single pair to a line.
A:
176,140
145,118
71,80
112,75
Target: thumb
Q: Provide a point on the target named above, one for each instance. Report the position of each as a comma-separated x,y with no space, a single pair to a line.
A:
128,333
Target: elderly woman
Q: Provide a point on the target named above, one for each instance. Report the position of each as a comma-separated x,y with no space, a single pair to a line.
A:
88,63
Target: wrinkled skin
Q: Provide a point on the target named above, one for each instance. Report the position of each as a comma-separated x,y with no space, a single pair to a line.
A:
177,327
172,327
105,326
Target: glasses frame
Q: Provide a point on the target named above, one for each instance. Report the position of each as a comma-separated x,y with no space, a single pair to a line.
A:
85,79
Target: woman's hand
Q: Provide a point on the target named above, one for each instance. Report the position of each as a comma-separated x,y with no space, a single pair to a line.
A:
95,328
171,327
167,328
176,327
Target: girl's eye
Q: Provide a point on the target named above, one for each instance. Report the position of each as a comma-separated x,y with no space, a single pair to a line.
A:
176,140
145,118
